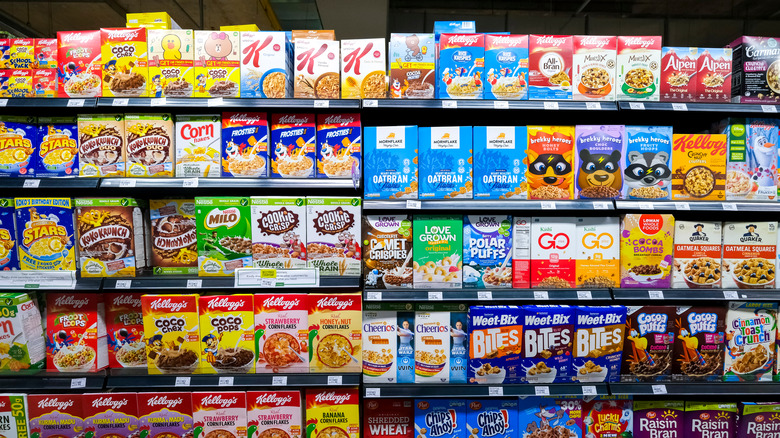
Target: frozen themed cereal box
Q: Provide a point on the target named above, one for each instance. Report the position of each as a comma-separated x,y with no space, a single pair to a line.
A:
293,146
45,234
553,252
150,150
495,344
333,236
646,245
171,333
658,418
9,257
217,64
125,330
380,342
57,152
649,344
278,232
21,333
227,331
390,162
697,255
521,252
18,141
125,62
55,415
272,413
79,66
282,333
699,167
713,69
266,65
338,145
506,67
548,336
550,162
173,237
678,67
316,69
549,67
169,414
461,66
335,333
332,413
599,161
648,162
387,252
412,58
389,418
445,162
593,67
111,415
363,69
219,414
751,168
110,236
102,145
493,418
638,68
171,56
438,252
75,332
244,145
749,249
224,235
198,144
700,344
702,419
750,339
598,343
440,418
487,251
597,262
499,162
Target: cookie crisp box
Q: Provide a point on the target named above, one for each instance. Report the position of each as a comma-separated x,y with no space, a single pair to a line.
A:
333,235
278,232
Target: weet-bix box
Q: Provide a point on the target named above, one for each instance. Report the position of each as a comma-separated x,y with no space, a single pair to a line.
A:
547,343
495,341
598,343
499,167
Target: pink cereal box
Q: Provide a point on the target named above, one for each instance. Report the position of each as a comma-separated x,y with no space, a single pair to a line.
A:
282,333
45,53
593,67
55,415
678,67
219,414
553,252
549,67
272,414
713,71
217,64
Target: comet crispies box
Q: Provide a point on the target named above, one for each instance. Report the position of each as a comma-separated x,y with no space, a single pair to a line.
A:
495,350
388,418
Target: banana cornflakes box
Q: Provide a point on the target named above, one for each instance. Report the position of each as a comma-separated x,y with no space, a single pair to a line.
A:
174,240
101,145
171,333
227,333
171,57
9,259
150,150
57,153
332,413
17,146
217,64
224,235
45,234
110,233
22,345
125,62
335,333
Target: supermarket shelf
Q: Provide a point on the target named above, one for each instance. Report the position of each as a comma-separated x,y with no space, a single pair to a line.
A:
698,206
148,282
47,280
458,391
488,104
47,183
139,378
21,102
34,381
227,103
487,295
695,388
192,183
484,204
699,107
696,294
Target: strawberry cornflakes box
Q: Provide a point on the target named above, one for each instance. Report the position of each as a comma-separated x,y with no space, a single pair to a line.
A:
166,415
332,413
125,329
75,332
79,66
273,414
282,333
219,414
227,327
55,415
45,53
111,415
338,145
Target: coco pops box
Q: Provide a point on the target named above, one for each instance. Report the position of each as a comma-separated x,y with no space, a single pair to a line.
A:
217,64
171,56
227,331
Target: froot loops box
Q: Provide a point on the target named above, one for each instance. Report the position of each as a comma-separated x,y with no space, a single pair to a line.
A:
274,413
79,64
17,146
45,234
57,153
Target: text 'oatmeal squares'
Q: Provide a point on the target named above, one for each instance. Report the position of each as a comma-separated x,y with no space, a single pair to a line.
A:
598,252
697,255
438,252
553,252
550,162
598,343
593,67
217,64
339,144
495,344
445,162
390,162
333,236
278,232
282,333
750,334
648,162
749,250
699,171
499,162
646,245
506,67
648,344
700,346
549,67
275,414
387,250
266,61
487,251
101,145
244,145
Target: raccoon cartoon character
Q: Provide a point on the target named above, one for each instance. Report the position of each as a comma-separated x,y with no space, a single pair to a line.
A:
647,169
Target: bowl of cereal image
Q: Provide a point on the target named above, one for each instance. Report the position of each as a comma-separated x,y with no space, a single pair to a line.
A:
647,192
127,84
702,273
507,87
464,87
646,273
541,373
595,82
753,364
75,358
132,355
332,432
182,361
639,81
274,83
340,167
83,85
295,167
560,79
328,86
756,273
773,77
234,360
590,372
335,350
738,183
374,85
488,375
251,166
699,181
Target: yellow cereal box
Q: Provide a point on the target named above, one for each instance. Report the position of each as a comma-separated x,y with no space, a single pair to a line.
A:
549,162
598,252
646,251
125,63
217,61
227,333
171,333
699,167
151,20
335,333
240,28
171,59
44,234
332,413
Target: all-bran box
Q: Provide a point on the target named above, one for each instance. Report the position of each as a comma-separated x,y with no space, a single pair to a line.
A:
658,418
487,251
412,58
756,72
125,62
388,418
390,162
55,415
150,151
521,252
593,67
646,250
75,332
461,66
550,162
638,68
499,162
274,413
599,161
699,167
608,417
700,345
751,170
45,234
16,83
493,418
335,333
45,53
553,252
678,67
9,257
17,146
21,334
697,255
317,69
549,67
598,343
165,415
440,418
338,145
293,146
227,333
332,413
173,238
171,333
550,416
111,415
198,146
437,252
219,415
282,333
548,336
101,145
758,420
110,236
648,165
217,64
278,232
598,252
363,69
244,145
713,69
333,235
224,235
13,411
125,330
506,67
749,249
171,57
79,65
57,147
44,83
266,65
705,419
648,344
380,342
387,250
495,344
445,162
750,336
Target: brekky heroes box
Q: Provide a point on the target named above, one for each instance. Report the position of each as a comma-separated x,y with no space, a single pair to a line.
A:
553,252
487,251
703,418
699,167
335,333
599,161
198,146
442,418
390,162
217,64
171,333
110,236
244,145
57,149
168,414
593,67
293,146
219,414
125,330
224,232
445,157
679,74
79,66
751,168
387,251
388,418
278,232
493,418
266,65
648,344
363,69
173,236
548,336
437,252
506,67
658,418
111,414
55,415
697,255
521,252
125,62
282,333
598,343
22,333
648,162
102,145
316,69
13,415
338,146
700,343
332,412
45,53
755,77
499,162
638,68
461,66
75,332
412,58
550,162
646,248
274,412
751,332
713,68
171,58
9,255
227,333
333,235
597,263
549,67
495,344
18,156
45,234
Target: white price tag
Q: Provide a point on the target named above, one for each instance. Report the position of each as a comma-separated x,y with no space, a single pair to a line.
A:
370,103
373,296
548,205
659,389
485,295
123,284
127,182
79,382
194,283
334,380
656,294
435,296
551,105
593,105
730,206
413,204
279,381
646,206
682,206
189,182
769,108
589,390
183,381
321,104
120,102
496,391
76,103
373,392
225,381
541,295
600,205
542,390
449,103
3,102
730,295
584,295
679,107
217,101
158,101
31,183
636,105
501,104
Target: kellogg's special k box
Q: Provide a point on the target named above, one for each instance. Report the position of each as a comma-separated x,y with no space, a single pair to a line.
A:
266,64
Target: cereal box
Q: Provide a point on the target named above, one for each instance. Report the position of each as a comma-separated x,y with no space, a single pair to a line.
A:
493,418
125,62
598,343
700,167
363,69
75,332
433,343
459,353
333,235
45,53
406,358
293,143
266,65
412,58
332,413
751,171
495,344
749,249
390,162
150,150
714,68
750,341
697,255
756,72
225,239
437,252
219,414
548,416
758,420
648,165
217,64
317,67
274,413
380,342
638,68
244,145
151,20
389,418
5,53
13,415
282,333
521,252
101,145
548,333
173,237
9,258
21,334
440,418
17,146
387,250
608,417
111,415
16,83
445,162
598,252
198,146
44,234
171,333
57,147
165,415
599,161
125,329
278,232
44,83
553,252
79,65
649,343
700,345
646,245
593,63
338,145
171,57
461,66
487,251
110,233
704,419
55,415
335,333
678,67
549,67
658,418
506,67
499,162
550,161
227,333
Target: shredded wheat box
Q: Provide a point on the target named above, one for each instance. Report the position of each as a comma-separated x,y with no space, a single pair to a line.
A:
598,252
553,252
13,416
697,255
282,333
272,414
278,232
333,235
389,418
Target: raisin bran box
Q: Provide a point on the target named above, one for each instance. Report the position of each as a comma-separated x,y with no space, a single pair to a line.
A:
700,345
57,147
548,333
293,146
598,343
125,329
13,415
278,232
333,236
282,333
440,418
608,417
553,252
697,255
648,165
150,149
198,144
18,138
495,344
638,68
521,252
111,415
756,70
550,162
274,414
56,415
549,67
75,332
338,145
219,414
125,62
487,251
549,416
649,343
438,252
244,145
217,64
599,161
597,262
699,167
461,66
658,418
506,67
493,418
412,58
79,66
593,67
165,415
227,331
173,237
646,244
224,235
445,162
499,162
750,335
387,247
171,333
390,162
713,68
758,420
708,419
102,145
678,67
388,418
45,53
332,413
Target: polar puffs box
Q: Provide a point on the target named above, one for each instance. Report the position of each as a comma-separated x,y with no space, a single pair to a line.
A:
390,162
598,343
495,339
499,162
445,162
171,329
227,327
443,418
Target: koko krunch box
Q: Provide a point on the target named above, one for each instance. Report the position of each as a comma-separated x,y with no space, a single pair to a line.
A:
445,162
75,332
79,65
171,333
412,58
278,232
333,235
150,149
165,415
438,252
102,145
282,333
173,237
125,330
110,236
461,66
390,162
21,334
224,235
45,234
125,62
506,67
227,328
171,56
499,162
266,65
495,344
55,415
244,145
217,64
57,151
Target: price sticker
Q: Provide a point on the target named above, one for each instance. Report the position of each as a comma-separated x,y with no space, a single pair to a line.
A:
413,204
217,101
584,295
659,389
656,294
76,103
31,183
636,105
501,104
541,295
370,103
189,182
79,382
127,183
321,104
600,205
542,391
183,381
158,101
496,391
589,390
120,102
194,283
730,206
435,296
679,107
730,295
334,380
646,206
485,295
548,205
123,284
279,381
593,105
682,206
373,392
3,102
225,381
551,105
373,296
449,103
769,108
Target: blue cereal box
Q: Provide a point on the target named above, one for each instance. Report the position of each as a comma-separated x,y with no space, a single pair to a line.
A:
390,162
17,146
58,149
598,343
548,416
405,343
441,418
506,67
338,145
445,162
293,145
495,344
499,167
493,418
599,161
44,234
548,335
459,354
9,260
487,251
244,145
461,66
648,165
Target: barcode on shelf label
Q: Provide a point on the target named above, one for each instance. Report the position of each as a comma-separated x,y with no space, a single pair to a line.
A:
413,204
600,205
679,107
484,295
449,103
217,101
636,105
225,381
730,295
189,182
501,104
682,206
589,390
656,294
548,205
769,108
120,102
584,295
159,101
542,390
183,381
194,283
370,103
123,284
435,296
593,105
659,389
730,206
79,382
321,103
126,183
334,380
279,381
496,391
373,296
373,392
3,102
646,206
76,102
541,295
31,183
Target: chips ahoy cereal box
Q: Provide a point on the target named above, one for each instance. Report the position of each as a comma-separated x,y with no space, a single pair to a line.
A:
18,135
338,145
598,343
550,162
445,162
45,53
244,145
548,333
45,234
493,418
79,64
9,259
506,67
125,62
499,162
390,162
461,66
58,149
440,418
495,344
293,144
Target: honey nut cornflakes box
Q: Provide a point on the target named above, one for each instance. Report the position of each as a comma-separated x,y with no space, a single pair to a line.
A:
751,330
506,67
499,162
332,413
333,235
198,146
21,333
335,333
45,53
45,234
150,150
495,344
387,250
678,66
173,236
217,63
493,418
110,236
389,418
125,62
57,149
293,146
224,235
638,68
363,69
44,82
266,65
593,67
549,67
648,165
16,83
111,415
521,252
102,145
9,257
704,418
553,252
412,58
658,418
390,162
487,251
244,145
548,336
699,167
278,232
274,413
55,415
598,343
79,65
13,415
445,162
440,418
125,330
599,157
317,69
550,162
171,333
697,255
649,344
171,58
76,338
227,333
219,414
18,141
700,345
749,249
597,262
461,66
437,252
646,250
338,145
282,333
168,414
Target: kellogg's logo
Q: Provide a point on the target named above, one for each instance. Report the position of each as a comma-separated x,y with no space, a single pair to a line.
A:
217,400
508,41
77,37
334,302
692,143
163,400
270,398
338,119
168,304
292,119
108,402
71,301
225,304
464,39
123,34
334,221
55,403
127,300
332,397
638,42
280,302
244,118
595,42
548,40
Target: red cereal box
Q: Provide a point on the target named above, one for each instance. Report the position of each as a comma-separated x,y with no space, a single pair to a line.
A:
549,67
678,67
282,333
44,83
75,332
45,53
166,415
125,327
219,414
112,415
553,252
79,64
712,80
55,415
274,414
388,418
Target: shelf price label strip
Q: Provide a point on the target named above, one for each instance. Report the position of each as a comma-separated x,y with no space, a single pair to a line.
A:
263,277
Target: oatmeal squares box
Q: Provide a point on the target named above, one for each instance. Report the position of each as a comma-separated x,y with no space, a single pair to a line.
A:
21,332
81,319
389,418
79,65
548,336
266,65
274,413
593,67
553,252
697,255
125,62
125,330
646,248
316,69
110,236
45,234
678,70
549,67
487,251
440,418
55,415
598,343
699,167
750,341
171,333
599,161
333,235
550,162
756,70
387,251
224,235
638,68
705,418
45,53
293,146
219,415
173,238
445,159
506,67
102,145
390,162
278,232
227,333
13,415
493,418
282,333
150,150
749,250
751,170
44,82
438,252
713,69
380,342
495,344
648,162
168,414
363,69
461,66
57,151
171,58
338,146
332,413
217,64
499,162
18,155
111,415
198,145
700,345
521,252
658,418
335,333
648,344
412,58
597,262
9,257
244,145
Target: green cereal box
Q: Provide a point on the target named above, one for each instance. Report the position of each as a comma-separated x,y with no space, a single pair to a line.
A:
438,252
45,234
333,235
224,235
22,345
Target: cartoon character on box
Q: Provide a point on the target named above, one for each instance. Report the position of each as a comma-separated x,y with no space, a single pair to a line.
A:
549,162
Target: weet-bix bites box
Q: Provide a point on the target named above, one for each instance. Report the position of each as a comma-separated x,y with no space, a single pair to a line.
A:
506,67
598,343
461,66
440,418
548,333
495,344
338,145
493,418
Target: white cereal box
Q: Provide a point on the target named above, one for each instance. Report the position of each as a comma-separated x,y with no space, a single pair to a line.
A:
749,250
333,231
697,255
521,252
432,344
266,65
593,62
363,69
317,69
553,251
390,162
278,232
598,252
282,333
638,68
380,342
198,144
273,414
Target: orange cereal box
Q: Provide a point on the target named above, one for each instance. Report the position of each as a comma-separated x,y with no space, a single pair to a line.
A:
332,413
45,53
79,64
171,333
335,333
227,333
125,63
549,162
699,167
217,64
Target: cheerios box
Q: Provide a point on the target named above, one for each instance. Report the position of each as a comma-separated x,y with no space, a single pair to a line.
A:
125,330
79,66
363,69
274,412
493,418
13,415
749,250
550,162
125,62
506,67
9,257
487,251
75,334
553,252
55,415
169,413
646,250
338,146
219,414
227,333
224,235
171,56
599,161
293,146
461,66
445,162
333,233
244,145
217,64
57,147
638,68
335,333
495,344
18,141
440,418
278,232
332,412
380,341
598,343
102,145
437,252
111,414
441,343
172,333
198,146
45,234
21,333
598,252
548,337
648,162
266,65
390,162
699,167
499,162
282,333
697,255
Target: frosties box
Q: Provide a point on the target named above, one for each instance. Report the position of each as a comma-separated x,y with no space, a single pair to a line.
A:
79,66
165,415
227,341
125,62
111,415
171,333
55,415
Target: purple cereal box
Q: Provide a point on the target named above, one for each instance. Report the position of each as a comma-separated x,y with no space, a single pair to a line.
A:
166,415
111,415
548,336
55,415
598,161
655,419
759,420
710,419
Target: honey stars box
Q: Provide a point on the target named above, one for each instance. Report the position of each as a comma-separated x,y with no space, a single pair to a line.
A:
45,234
171,58
219,414
227,333
125,62
17,146
171,333
333,413
217,64
57,152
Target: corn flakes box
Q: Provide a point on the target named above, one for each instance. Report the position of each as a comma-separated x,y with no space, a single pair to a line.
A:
55,415
244,145
646,248
549,67
21,333
18,136
125,62
111,415
224,235
751,329
389,418
198,146
638,68
45,53
22,53
506,67
44,83
493,418
75,335
495,344
487,251
227,333
278,232
221,414
272,413
171,59
57,147
440,418
678,65
445,162
266,65
293,142
749,249
697,255
363,69
412,57
598,252
438,252
110,233
390,162
599,159
45,234
16,83
9,259
333,413
174,240
499,162
548,335
338,145
598,343
125,330
553,252
550,162
13,411
150,150
217,64
168,414
335,333
699,167
171,333
333,235
648,165
282,333
101,145
593,67
461,66
79,65
751,168
317,69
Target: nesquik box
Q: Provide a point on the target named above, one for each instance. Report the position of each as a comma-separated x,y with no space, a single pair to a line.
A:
167,415
274,414
79,64
219,414
125,327
75,332
56,415
111,415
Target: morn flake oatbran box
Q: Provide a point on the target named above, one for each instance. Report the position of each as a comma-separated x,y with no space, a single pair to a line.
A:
493,418
110,236
697,255
125,62
278,232
219,415
274,414
599,161
495,344
333,235
56,415
678,66
499,162
750,335
549,67
171,55
412,58
224,235
387,250
171,333
440,418
79,66
597,262
102,145
390,162
749,249
700,345
445,157
593,67
21,334
709,419
649,343
646,245
217,64
598,343
550,162
338,145
45,234
658,418
699,167
111,415
174,240
244,145
125,330
75,333
293,146
638,68
438,252
227,333
548,336
332,413
487,251
335,333
150,150
57,149
13,415
388,418
198,145
165,415
553,252
282,333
